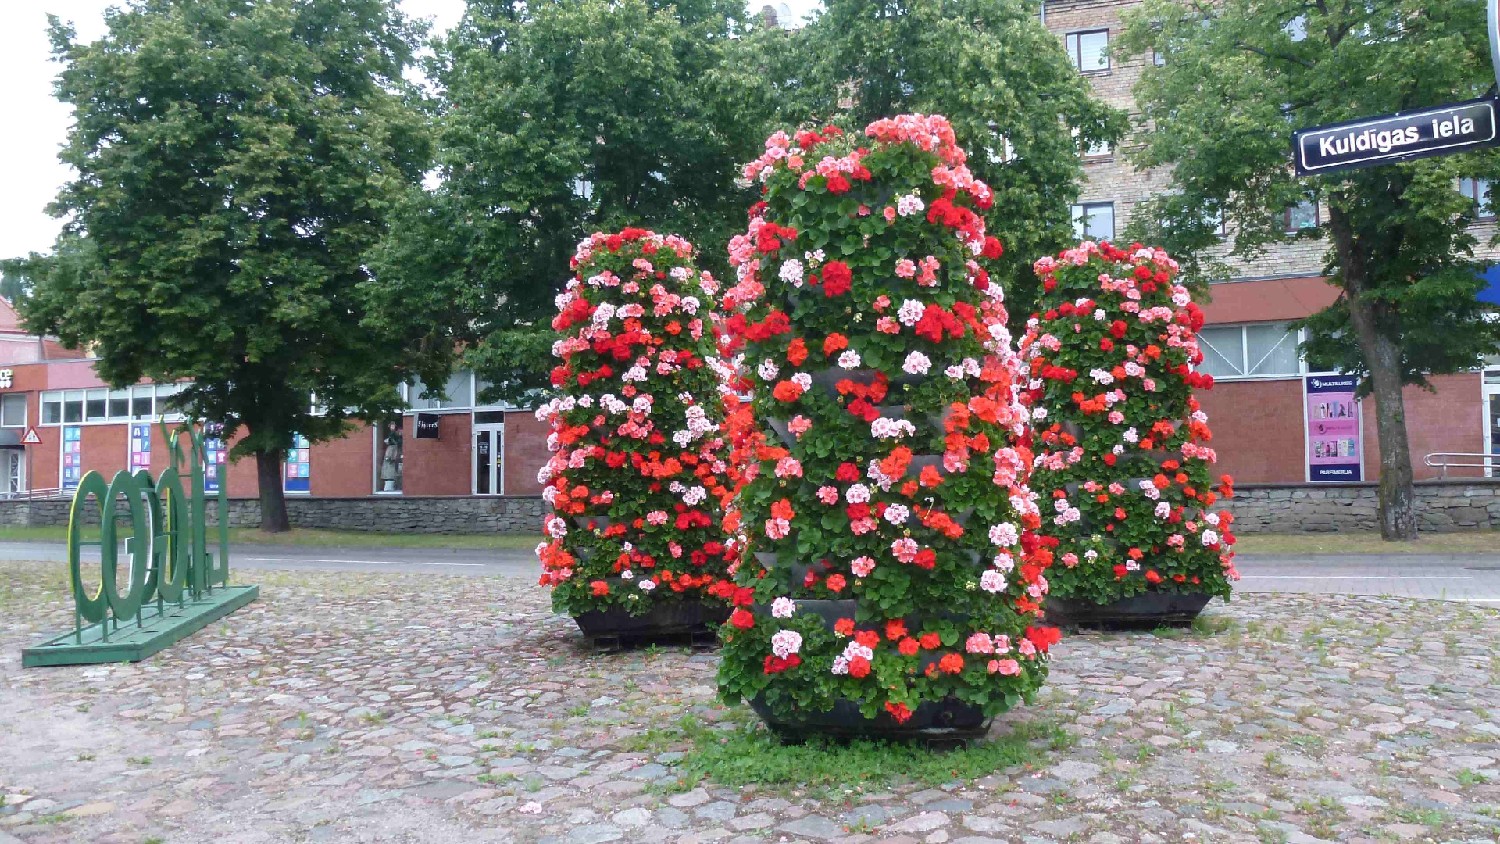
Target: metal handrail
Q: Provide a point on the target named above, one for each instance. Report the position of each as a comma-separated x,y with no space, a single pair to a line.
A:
1445,460
28,494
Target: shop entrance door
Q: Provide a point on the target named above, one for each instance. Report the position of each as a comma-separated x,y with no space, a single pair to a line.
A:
13,471
489,457
1492,421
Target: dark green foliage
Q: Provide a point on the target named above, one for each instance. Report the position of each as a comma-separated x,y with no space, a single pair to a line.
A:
236,161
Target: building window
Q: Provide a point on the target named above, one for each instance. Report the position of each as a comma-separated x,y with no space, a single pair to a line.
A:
1478,192
1253,350
1302,216
141,403
13,410
458,394
1089,50
1158,58
1098,149
1094,221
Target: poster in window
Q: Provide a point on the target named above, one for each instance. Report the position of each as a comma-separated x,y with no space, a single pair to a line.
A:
72,457
213,456
1335,451
298,466
140,446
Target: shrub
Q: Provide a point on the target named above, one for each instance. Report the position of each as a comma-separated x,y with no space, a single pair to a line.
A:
636,475
1123,467
879,454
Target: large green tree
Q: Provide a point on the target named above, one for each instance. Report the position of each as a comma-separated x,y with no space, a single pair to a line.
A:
1015,100
1239,76
559,118
236,160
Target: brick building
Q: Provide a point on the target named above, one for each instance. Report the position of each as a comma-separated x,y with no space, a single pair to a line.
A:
465,448
1262,415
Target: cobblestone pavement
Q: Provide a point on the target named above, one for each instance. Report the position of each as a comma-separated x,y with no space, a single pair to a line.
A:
407,708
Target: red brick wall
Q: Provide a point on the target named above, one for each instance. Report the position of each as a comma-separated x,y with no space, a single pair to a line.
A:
525,452
1258,429
342,468
442,466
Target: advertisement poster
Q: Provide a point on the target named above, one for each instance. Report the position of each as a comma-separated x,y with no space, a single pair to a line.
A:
140,446
299,465
72,457
1335,451
213,457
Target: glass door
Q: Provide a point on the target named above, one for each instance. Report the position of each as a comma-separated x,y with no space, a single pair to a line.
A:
1492,422
14,471
489,457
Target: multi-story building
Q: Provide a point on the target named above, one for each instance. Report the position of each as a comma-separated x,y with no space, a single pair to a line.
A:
1264,407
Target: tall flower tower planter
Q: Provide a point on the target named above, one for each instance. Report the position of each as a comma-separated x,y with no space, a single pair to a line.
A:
635,547
893,578
1123,463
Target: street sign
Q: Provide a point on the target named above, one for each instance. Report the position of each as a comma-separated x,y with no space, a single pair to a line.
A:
31,438
1408,135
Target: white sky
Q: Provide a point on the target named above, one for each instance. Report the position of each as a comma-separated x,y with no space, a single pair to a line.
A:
36,124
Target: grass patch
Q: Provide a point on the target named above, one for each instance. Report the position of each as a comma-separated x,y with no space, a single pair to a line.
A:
319,538
1467,542
747,755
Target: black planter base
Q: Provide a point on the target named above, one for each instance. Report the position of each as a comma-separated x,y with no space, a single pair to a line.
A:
943,724
691,622
1146,611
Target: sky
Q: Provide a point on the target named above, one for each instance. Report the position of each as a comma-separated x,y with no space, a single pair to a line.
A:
37,124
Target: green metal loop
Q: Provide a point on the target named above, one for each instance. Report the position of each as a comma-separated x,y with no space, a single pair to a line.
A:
90,607
154,553
175,556
128,604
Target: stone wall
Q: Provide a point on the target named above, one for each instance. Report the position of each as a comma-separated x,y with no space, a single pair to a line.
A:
1441,506
1258,508
404,514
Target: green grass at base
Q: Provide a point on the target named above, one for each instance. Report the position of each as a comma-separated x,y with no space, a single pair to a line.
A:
325,538
752,755
1368,542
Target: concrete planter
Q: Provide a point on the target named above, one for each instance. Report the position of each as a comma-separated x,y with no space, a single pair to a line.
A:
1145,611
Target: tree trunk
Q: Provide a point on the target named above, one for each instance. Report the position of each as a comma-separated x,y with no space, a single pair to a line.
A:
273,518
1382,354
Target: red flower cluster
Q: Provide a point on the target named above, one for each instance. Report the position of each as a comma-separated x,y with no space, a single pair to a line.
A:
1123,458
635,481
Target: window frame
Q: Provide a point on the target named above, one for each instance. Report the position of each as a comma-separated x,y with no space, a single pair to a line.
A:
25,410
1286,218
1073,44
1484,206
1079,212
157,395
1244,364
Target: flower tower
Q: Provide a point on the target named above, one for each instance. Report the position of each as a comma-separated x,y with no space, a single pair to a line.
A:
893,576
1123,465
636,479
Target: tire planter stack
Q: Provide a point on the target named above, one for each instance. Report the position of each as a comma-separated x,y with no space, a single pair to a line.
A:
1123,466
635,546
893,577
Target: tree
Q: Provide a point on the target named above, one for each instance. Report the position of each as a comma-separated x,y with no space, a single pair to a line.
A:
236,160
559,119
15,278
995,71
1239,77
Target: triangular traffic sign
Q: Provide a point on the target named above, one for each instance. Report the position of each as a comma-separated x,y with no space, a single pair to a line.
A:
32,437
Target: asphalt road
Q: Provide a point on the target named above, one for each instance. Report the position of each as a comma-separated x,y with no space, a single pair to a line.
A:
1472,578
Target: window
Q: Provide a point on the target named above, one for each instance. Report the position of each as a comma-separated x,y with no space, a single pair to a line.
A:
459,391
1098,149
1302,216
1000,151
1089,50
1094,221
1214,217
1254,350
1478,191
141,403
1158,58
13,410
